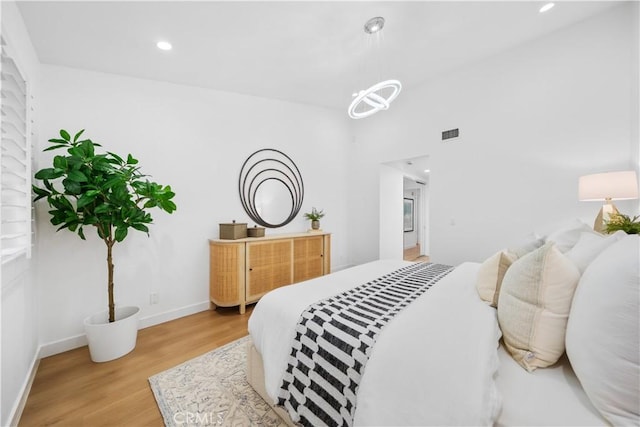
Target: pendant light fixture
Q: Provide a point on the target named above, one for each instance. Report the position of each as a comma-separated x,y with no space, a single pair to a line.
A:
380,95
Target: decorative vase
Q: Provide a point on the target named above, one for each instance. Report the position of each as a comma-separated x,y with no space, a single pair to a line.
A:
109,341
315,224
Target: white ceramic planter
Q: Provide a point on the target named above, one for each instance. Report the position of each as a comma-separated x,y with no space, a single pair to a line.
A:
109,341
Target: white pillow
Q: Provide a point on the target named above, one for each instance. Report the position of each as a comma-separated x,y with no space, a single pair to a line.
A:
534,304
603,333
589,247
565,238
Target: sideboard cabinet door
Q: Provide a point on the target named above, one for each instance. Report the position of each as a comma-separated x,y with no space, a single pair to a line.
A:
269,266
227,274
308,254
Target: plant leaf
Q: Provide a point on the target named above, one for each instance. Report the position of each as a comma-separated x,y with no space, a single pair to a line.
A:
140,227
131,160
75,138
72,187
85,199
65,135
102,208
168,206
115,156
121,233
54,147
87,147
77,176
49,173
60,162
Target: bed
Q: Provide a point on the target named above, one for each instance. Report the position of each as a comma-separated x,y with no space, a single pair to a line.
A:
441,360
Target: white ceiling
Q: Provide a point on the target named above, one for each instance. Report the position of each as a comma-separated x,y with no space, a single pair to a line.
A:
414,169
311,52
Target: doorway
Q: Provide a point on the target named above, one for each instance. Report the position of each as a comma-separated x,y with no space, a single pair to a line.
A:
414,233
404,194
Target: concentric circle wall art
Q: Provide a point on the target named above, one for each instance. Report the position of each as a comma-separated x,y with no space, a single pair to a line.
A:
271,188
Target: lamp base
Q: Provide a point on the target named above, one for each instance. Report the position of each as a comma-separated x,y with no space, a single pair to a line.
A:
604,215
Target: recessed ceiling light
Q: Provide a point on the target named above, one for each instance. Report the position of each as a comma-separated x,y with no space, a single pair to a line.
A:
546,7
374,25
427,171
164,45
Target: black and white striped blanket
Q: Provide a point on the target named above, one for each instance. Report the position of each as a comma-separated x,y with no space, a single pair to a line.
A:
333,342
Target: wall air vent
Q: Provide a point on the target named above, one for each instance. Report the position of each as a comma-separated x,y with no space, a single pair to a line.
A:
451,133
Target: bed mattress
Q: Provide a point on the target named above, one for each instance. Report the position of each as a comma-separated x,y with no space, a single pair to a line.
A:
419,347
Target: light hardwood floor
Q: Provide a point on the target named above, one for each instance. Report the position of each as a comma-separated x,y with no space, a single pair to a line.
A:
413,254
70,390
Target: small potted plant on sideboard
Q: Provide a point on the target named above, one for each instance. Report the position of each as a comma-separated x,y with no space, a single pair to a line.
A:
314,216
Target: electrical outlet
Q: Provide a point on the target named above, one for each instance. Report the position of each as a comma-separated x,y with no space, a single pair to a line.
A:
154,298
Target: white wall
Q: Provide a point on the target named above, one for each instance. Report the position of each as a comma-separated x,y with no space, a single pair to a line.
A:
18,308
196,140
532,120
390,213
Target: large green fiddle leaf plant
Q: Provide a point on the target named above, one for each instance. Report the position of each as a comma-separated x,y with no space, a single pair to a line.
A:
105,191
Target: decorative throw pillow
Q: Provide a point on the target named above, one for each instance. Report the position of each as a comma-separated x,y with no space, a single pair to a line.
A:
603,333
534,304
490,276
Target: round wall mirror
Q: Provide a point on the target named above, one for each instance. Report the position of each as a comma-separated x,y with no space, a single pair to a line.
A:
271,188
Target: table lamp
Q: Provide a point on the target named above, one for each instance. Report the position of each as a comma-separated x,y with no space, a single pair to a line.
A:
622,185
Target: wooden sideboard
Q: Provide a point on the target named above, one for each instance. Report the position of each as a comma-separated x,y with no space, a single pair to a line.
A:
241,271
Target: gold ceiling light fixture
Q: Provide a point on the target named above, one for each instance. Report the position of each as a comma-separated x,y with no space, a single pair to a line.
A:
379,96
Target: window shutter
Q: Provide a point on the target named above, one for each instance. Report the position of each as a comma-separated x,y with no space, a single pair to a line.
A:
16,214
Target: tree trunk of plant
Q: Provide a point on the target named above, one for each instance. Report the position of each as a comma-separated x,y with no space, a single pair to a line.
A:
112,305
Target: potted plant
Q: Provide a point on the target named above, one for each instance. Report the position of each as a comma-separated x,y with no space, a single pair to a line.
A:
314,216
109,193
618,221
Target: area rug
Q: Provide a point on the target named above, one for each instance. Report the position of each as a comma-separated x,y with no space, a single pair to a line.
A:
212,390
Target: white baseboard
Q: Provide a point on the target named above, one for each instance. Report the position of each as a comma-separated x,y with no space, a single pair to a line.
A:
77,341
60,346
18,407
156,319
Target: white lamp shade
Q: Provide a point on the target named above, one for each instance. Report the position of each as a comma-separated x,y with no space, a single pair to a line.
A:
621,185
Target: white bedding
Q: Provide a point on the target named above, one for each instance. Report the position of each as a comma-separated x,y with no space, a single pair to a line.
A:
551,396
433,364
417,371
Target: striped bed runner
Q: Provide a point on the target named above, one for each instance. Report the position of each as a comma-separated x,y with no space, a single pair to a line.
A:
333,341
